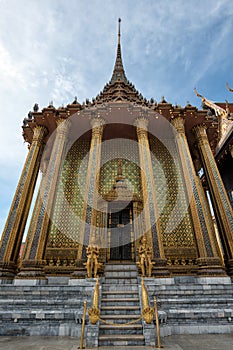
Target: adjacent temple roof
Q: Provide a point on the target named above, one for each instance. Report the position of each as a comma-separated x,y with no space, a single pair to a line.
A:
224,115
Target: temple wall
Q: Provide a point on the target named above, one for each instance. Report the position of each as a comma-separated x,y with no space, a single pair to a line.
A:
173,204
63,236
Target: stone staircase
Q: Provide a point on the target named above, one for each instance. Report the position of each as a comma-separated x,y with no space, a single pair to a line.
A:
47,310
119,305
187,306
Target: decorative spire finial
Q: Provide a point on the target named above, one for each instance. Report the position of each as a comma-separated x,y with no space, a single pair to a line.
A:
115,89
119,31
118,71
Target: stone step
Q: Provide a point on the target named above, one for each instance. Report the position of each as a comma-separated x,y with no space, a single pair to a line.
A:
121,268
42,304
121,340
121,274
119,300
121,329
24,314
204,312
111,287
120,280
119,294
41,294
121,318
193,289
185,302
117,310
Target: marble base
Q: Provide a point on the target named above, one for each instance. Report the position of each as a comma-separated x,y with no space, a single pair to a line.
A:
214,280
30,282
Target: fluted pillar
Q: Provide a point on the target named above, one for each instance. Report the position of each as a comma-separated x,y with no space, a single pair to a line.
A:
218,193
33,263
88,227
209,259
17,218
152,227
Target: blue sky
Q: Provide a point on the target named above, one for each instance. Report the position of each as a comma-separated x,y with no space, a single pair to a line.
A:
58,49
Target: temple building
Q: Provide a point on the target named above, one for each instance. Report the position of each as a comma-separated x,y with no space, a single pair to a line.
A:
125,182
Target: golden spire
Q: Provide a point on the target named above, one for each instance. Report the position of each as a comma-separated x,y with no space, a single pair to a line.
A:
119,31
118,71
114,90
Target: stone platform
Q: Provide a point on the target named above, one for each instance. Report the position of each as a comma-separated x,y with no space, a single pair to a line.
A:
187,305
175,342
190,305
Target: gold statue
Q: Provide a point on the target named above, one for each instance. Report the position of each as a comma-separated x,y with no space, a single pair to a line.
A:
92,263
145,254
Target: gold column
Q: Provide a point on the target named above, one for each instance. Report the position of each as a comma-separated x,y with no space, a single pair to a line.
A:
137,225
109,236
132,235
218,193
88,229
17,218
33,263
209,260
151,217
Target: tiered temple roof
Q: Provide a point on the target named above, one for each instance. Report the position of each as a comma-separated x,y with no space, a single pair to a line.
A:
120,90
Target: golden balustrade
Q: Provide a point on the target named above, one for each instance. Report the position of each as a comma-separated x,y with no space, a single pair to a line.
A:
94,312
148,313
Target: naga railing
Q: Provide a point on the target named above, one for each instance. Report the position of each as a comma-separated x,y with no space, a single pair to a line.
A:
148,313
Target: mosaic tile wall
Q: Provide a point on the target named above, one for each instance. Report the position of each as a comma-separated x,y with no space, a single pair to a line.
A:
176,223
126,150
65,225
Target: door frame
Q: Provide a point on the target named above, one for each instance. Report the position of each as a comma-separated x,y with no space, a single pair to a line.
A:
115,206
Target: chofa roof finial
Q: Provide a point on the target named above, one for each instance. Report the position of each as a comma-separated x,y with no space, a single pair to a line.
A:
228,88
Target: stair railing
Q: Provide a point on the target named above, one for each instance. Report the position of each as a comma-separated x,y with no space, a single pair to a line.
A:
83,324
94,312
157,324
149,312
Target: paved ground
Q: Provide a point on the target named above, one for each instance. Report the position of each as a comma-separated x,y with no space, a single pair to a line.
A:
175,342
